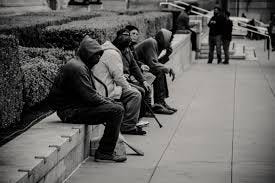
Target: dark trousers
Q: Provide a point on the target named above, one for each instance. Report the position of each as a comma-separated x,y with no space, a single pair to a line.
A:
193,40
111,114
225,45
160,86
215,41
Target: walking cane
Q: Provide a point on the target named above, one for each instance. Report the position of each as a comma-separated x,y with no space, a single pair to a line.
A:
154,116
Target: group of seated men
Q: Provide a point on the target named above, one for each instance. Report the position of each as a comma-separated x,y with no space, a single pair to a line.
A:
110,84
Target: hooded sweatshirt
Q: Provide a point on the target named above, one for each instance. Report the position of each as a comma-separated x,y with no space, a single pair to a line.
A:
110,71
149,50
73,86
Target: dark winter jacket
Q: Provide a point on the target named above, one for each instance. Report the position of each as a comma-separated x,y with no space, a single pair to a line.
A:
227,30
149,50
130,66
216,25
74,85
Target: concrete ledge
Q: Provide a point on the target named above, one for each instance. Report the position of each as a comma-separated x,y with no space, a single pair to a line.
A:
181,58
32,156
50,150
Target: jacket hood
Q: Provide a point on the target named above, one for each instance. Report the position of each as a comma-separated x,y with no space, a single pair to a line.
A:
88,47
163,38
109,46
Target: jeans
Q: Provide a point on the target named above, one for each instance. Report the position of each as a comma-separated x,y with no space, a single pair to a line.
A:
131,100
111,114
146,98
215,41
225,45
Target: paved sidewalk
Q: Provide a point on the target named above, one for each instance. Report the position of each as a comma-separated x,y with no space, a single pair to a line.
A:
223,132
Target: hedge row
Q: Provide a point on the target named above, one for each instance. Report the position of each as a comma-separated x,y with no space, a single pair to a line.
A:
11,85
22,69
68,36
27,28
36,63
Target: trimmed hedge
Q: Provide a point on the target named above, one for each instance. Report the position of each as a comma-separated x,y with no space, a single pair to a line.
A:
36,63
27,28
11,85
68,36
22,69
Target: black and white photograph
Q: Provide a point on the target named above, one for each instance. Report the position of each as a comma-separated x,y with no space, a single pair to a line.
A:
137,91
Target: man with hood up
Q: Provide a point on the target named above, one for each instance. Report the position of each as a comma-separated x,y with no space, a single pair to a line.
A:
148,51
76,100
110,70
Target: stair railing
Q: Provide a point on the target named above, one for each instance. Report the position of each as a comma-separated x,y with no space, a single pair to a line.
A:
195,11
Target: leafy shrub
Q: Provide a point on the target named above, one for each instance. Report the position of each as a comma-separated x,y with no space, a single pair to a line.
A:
27,28
11,96
37,65
68,36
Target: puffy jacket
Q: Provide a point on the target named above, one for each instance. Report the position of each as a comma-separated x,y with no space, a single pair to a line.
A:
110,71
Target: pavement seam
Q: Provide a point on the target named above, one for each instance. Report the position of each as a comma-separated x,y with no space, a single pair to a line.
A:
173,135
233,125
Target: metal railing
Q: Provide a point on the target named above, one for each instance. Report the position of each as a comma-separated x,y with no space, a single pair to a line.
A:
195,10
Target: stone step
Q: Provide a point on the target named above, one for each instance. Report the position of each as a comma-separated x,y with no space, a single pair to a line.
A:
205,51
234,56
49,151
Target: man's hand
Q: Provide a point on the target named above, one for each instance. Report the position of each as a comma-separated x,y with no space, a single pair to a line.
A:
147,86
172,74
145,67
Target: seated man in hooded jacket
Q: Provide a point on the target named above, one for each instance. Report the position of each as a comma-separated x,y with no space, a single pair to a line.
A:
110,70
131,70
148,51
76,100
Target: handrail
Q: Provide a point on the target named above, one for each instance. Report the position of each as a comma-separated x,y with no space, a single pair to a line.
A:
176,6
208,16
198,8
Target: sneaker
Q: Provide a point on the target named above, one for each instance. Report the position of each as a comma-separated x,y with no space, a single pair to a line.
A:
107,157
225,63
142,123
136,131
160,109
168,107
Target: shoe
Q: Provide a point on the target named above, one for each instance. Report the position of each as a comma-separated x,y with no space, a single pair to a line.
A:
136,131
225,63
219,62
168,107
160,109
209,62
106,157
142,123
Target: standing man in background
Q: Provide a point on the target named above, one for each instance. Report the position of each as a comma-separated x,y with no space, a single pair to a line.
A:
215,35
183,26
226,37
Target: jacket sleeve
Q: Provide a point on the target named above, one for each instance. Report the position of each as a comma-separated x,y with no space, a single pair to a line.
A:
115,67
151,58
82,84
135,70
